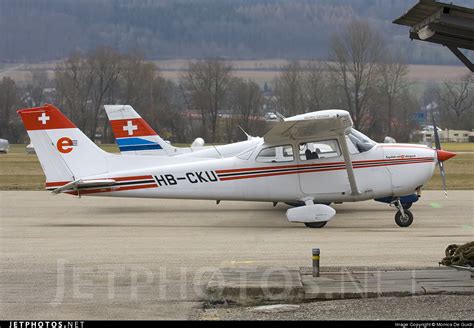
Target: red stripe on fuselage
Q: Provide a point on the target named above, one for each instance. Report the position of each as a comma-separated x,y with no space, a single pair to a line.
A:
318,164
257,175
138,177
278,173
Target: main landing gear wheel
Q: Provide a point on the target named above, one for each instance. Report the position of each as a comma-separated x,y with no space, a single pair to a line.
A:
404,220
315,224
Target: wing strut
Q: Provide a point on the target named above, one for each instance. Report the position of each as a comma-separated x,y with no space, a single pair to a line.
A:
348,161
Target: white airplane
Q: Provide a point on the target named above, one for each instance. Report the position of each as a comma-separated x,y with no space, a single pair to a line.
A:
314,157
134,136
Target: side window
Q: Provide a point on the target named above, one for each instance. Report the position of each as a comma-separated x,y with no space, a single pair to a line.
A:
276,154
319,149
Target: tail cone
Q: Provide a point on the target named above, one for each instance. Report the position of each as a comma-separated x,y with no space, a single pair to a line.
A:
444,155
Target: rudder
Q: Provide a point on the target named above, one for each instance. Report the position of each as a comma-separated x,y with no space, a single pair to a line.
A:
132,133
65,153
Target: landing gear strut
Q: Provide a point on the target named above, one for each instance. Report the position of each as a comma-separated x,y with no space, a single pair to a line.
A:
404,218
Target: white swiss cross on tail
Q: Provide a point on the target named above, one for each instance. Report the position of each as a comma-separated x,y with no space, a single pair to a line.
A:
130,128
43,118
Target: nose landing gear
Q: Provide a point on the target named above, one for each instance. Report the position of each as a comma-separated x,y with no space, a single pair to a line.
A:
403,218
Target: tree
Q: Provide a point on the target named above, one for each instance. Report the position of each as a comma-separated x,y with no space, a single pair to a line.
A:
74,83
85,83
315,86
106,67
165,108
403,121
393,72
207,84
10,126
35,89
355,54
288,89
457,98
246,104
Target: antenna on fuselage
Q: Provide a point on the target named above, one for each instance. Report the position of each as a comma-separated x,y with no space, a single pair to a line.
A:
217,150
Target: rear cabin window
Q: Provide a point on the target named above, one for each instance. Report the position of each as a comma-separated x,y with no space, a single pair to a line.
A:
319,149
276,154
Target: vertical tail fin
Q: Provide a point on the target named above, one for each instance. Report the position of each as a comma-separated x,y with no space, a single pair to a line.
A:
65,153
133,134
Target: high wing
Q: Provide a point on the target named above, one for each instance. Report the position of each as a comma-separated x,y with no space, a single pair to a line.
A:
322,124
326,123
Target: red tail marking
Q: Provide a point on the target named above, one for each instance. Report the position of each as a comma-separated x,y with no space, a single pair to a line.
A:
140,128
46,117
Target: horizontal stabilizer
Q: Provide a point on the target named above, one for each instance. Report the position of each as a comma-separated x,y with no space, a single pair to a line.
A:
79,184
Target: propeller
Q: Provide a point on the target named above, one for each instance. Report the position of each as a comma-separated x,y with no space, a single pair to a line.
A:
442,155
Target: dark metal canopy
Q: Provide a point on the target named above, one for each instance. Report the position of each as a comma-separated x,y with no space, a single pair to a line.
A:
442,23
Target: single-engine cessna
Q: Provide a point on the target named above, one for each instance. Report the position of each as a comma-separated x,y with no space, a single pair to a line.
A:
306,160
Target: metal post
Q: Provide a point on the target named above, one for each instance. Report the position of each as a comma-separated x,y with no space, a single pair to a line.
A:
316,253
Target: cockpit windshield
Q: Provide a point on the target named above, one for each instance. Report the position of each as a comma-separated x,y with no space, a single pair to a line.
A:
245,155
361,141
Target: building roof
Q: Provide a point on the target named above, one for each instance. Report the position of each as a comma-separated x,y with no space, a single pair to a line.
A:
442,23
448,24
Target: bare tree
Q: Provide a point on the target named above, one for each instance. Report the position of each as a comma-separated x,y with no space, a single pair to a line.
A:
9,102
35,89
166,115
247,101
315,86
393,72
106,65
355,53
288,89
207,85
74,83
85,82
245,104
137,81
458,98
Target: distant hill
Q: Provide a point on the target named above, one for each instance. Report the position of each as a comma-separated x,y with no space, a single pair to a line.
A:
41,30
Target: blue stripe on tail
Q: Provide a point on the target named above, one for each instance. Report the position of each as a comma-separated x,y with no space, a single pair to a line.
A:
131,144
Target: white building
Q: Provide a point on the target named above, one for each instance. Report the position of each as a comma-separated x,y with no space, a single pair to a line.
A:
447,135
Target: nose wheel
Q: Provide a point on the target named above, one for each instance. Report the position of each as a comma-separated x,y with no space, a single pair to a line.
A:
403,218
